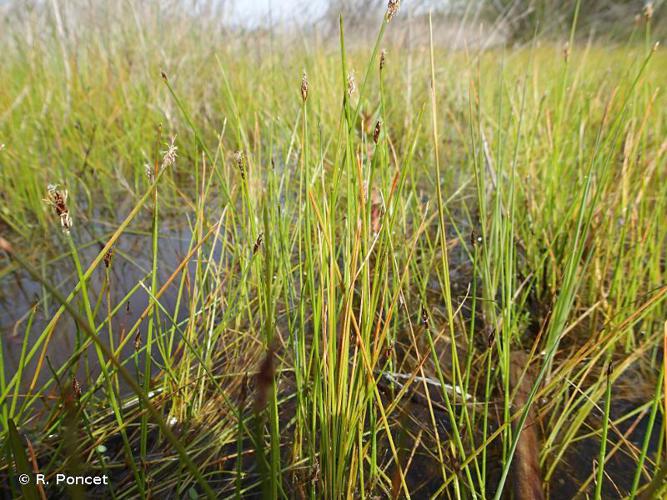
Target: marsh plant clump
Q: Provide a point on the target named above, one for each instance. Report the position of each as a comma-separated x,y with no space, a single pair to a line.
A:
442,277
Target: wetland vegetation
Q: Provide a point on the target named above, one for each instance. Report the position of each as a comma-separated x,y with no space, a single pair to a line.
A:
260,264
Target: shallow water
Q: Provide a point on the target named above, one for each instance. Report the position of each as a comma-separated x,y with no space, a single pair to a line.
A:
131,263
19,294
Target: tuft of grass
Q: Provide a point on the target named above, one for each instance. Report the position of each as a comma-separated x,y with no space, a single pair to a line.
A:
322,295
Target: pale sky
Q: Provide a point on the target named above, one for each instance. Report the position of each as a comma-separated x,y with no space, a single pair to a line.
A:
260,12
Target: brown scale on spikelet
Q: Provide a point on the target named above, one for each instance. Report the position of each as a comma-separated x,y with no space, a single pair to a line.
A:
76,388
376,132
108,257
424,316
392,9
258,243
304,87
239,159
58,200
475,239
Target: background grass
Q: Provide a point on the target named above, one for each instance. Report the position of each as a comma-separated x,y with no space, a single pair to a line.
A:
357,268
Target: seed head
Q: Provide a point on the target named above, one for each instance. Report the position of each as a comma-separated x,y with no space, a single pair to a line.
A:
648,10
376,132
108,257
76,388
475,239
239,159
169,156
58,200
610,369
304,87
424,317
383,57
392,9
258,243
351,84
